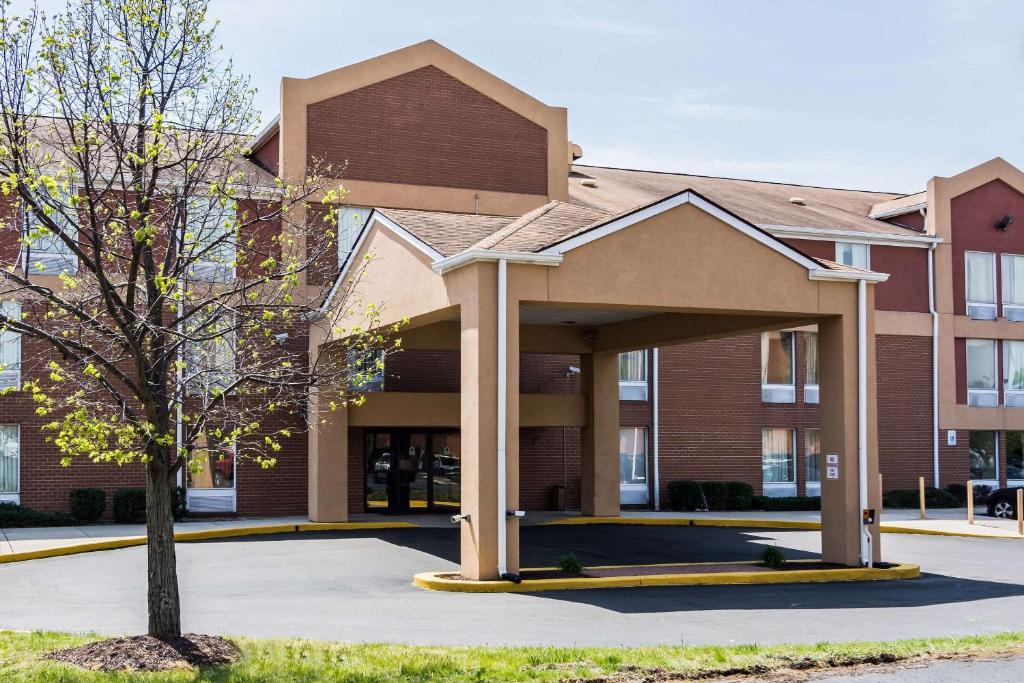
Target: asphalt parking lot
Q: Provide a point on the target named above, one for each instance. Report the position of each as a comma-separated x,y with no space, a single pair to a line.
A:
356,586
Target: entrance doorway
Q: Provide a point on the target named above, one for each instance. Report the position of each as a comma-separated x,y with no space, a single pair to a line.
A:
412,470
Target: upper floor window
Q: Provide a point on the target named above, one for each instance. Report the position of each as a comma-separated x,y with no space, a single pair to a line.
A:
777,368
981,373
633,376
1013,286
1013,373
210,238
47,252
811,367
366,370
854,254
351,220
210,357
980,278
10,348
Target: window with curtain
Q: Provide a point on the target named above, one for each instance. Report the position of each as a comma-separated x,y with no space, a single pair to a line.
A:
1015,456
633,366
981,364
46,252
1013,365
811,357
633,456
10,348
212,467
984,456
211,224
1013,280
777,458
211,357
981,277
10,451
777,358
855,255
812,451
351,220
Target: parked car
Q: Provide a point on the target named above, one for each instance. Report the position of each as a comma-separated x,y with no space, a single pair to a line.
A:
1002,503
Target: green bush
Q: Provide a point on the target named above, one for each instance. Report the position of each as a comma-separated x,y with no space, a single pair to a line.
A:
959,491
908,498
570,565
772,557
981,493
179,503
14,515
87,505
130,506
799,503
689,495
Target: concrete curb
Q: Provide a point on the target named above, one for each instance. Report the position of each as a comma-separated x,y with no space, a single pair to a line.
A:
761,524
437,581
186,536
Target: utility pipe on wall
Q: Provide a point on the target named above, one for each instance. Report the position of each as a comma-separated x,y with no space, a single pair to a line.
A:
862,416
934,311
502,408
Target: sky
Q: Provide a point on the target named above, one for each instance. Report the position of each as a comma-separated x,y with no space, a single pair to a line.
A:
858,94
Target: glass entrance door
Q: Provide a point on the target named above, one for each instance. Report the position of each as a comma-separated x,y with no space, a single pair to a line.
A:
412,470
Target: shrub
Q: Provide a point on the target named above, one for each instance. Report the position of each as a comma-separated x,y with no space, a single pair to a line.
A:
685,495
87,505
689,495
981,494
13,515
179,504
908,498
130,505
772,557
800,503
570,565
959,491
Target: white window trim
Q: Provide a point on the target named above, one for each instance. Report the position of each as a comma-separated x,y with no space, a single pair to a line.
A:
782,489
789,389
994,483
994,392
1008,306
26,252
635,390
224,272
637,494
15,372
812,488
14,496
992,305
223,491
867,250
1008,393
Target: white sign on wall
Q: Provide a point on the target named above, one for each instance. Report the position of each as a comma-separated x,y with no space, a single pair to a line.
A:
832,459
832,471
950,437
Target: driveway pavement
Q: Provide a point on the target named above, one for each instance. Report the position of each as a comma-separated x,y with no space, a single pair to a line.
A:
356,586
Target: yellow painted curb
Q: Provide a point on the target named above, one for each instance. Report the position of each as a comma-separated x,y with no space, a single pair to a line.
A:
435,580
186,536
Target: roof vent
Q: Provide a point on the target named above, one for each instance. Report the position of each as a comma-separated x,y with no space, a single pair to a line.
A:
799,201
588,182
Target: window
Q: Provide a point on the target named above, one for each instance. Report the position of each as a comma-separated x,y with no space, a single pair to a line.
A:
981,285
777,368
855,255
981,373
811,367
984,457
366,370
633,376
10,348
210,357
1014,457
778,462
633,465
210,238
1013,373
1013,287
47,253
812,454
212,468
351,220
10,451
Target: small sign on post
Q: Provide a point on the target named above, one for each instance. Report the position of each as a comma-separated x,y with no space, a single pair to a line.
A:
832,466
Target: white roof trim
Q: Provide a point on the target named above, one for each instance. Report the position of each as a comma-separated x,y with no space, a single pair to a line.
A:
847,275
833,235
900,210
468,256
672,202
266,133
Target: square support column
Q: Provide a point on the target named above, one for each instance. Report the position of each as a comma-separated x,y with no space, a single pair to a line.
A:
841,513
599,448
479,423
328,461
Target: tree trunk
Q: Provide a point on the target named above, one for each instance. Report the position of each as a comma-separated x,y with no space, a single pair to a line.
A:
164,604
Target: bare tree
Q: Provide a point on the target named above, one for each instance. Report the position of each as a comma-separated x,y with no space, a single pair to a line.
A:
163,274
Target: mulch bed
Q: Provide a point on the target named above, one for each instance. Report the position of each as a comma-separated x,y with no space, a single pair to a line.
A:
145,653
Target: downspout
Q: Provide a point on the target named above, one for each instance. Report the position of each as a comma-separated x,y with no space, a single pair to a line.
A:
933,310
862,416
654,391
503,514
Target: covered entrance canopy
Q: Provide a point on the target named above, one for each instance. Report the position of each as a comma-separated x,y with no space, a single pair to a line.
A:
567,279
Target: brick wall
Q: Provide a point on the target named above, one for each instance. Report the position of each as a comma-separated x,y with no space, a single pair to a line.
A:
428,128
904,375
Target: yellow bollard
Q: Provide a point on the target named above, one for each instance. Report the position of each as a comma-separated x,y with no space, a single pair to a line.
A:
970,501
1020,511
920,494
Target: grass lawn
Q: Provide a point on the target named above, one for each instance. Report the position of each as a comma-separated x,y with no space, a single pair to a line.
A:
306,660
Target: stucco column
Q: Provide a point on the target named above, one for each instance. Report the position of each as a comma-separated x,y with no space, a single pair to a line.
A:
841,513
599,447
479,423
328,461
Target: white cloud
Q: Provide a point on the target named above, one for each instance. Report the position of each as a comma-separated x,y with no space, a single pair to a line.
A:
698,104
